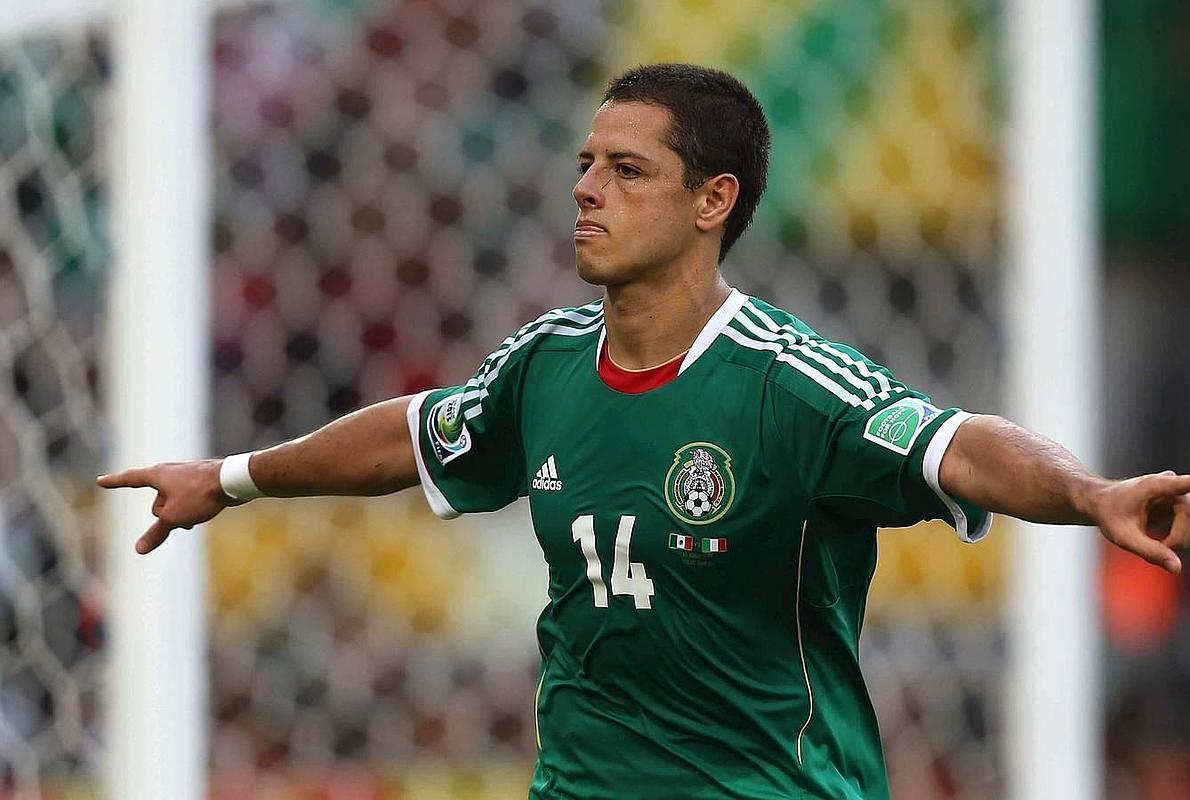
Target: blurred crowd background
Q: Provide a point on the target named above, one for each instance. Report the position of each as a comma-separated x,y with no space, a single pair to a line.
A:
392,198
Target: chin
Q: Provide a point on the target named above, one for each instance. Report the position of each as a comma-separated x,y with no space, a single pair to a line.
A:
596,274
599,271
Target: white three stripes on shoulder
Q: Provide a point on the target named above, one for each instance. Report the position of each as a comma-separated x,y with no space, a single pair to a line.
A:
811,372
791,343
799,351
881,379
477,387
557,315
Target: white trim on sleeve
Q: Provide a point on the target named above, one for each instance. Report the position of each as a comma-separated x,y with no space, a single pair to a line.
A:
930,467
438,502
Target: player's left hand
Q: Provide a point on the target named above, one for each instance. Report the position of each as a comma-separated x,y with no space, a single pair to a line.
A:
1148,515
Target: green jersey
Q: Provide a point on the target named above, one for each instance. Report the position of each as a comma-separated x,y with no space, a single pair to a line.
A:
710,545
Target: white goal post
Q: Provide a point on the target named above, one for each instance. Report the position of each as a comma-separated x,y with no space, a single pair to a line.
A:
1053,744
157,390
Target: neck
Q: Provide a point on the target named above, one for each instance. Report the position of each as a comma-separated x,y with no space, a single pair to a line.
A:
649,324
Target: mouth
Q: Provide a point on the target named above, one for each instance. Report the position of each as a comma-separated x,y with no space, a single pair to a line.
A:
585,229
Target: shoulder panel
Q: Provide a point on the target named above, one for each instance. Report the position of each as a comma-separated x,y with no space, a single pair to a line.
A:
830,377
558,329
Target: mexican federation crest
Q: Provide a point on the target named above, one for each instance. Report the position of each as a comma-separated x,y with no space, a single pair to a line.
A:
700,487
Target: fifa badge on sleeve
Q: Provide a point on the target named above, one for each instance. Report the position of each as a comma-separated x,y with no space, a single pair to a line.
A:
447,428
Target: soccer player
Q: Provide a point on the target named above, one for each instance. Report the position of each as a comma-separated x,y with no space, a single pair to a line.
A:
705,475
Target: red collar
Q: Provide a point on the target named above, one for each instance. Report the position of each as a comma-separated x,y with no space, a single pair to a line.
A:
632,381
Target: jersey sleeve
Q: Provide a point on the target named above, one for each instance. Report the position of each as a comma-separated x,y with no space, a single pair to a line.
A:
466,440
879,447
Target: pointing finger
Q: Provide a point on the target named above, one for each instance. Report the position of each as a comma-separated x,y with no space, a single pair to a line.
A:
1170,485
128,479
157,533
1151,550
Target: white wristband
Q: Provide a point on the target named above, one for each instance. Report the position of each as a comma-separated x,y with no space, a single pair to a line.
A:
235,479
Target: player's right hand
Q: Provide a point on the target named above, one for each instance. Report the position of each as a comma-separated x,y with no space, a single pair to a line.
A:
188,493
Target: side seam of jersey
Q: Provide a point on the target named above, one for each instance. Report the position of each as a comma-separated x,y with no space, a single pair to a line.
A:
434,496
801,647
931,466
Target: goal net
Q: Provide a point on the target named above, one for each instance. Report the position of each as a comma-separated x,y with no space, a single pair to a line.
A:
53,257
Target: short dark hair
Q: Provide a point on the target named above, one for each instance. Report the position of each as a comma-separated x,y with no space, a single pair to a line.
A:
718,126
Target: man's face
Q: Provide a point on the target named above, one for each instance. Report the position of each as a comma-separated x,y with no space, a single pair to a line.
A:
635,213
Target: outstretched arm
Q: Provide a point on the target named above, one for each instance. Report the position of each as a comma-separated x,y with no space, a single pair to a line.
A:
367,452
1002,467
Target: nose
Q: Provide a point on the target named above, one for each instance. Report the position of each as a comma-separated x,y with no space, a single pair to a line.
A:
587,192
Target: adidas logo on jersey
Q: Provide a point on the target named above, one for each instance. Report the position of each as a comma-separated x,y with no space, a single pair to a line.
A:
546,478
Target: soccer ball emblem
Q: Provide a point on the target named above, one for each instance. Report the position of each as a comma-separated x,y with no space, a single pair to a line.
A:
698,502
450,419
447,427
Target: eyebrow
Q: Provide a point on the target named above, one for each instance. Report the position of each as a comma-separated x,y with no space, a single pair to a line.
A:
617,154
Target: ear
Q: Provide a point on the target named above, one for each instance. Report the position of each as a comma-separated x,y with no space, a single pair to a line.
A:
714,201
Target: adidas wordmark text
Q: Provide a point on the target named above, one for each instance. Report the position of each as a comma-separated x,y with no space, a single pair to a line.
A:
546,478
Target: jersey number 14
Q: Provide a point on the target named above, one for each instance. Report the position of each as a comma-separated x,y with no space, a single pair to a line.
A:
628,577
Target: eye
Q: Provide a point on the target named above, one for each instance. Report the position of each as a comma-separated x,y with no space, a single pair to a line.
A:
627,171
583,167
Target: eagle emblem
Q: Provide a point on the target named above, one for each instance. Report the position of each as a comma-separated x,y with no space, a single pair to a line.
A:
700,487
